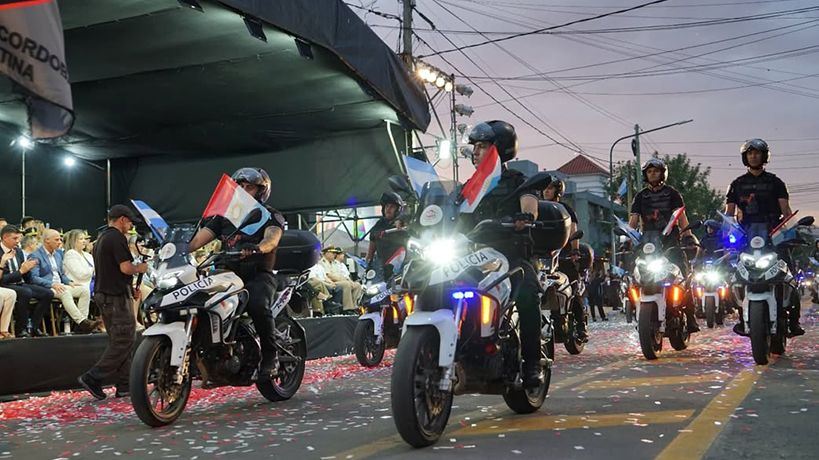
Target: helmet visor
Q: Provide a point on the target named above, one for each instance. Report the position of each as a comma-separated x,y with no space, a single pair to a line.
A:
755,144
482,132
248,175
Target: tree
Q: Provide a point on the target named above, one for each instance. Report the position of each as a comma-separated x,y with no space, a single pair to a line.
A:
701,201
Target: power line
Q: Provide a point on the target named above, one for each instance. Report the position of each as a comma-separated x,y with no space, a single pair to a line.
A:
578,21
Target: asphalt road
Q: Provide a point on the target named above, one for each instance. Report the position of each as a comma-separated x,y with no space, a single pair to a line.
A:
709,401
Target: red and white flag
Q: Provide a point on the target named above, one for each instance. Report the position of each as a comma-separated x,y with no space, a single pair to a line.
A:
235,204
486,177
675,216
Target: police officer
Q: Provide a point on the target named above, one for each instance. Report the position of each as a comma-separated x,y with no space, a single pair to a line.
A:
554,192
255,267
383,246
763,199
506,201
114,294
653,207
712,241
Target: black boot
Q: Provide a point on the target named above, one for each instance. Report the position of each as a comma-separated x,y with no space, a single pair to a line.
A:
692,326
532,375
739,329
269,367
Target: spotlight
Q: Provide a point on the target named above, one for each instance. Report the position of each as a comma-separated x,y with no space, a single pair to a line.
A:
464,90
69,161
254,28
440,82
448,87
464,110
422,73
432,76
24,142
192,4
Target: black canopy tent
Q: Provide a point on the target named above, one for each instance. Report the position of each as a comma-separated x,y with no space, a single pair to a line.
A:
174,97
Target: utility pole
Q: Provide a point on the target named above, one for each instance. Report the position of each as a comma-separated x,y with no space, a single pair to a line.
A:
406,53
635,148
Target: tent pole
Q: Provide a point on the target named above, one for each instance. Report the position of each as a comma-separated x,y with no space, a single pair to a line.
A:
107,184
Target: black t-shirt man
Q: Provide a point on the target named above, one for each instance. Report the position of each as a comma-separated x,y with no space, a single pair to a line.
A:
655,208
110,250
232,240
758,198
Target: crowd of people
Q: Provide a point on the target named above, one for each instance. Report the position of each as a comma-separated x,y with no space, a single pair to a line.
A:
41,266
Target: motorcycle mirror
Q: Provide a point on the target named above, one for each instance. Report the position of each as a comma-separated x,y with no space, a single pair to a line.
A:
399,184
370,274
576,235
806,221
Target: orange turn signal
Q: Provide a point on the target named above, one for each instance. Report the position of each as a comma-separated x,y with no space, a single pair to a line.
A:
676,294
634,295
408,302
486,309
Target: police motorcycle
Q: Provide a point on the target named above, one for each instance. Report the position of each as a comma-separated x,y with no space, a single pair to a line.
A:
201,331
463,335
380,325
711,287
658,291
763,283
559,293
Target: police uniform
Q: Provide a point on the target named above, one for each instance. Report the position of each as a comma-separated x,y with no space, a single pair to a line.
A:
655,209
504,201
255,270
386,245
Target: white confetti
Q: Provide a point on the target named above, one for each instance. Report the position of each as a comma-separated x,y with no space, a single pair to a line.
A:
578,447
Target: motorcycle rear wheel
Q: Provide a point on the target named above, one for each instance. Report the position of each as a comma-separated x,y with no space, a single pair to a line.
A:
420,408
291,368
156,398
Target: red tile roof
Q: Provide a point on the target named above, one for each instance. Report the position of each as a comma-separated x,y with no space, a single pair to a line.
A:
581,166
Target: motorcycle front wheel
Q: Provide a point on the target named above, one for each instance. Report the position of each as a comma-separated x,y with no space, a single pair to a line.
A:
420,408
369,351
157,399
651,339
290,336
678,334
710,312
760,336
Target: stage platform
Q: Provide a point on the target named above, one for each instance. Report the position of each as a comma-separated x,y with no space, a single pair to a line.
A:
53,363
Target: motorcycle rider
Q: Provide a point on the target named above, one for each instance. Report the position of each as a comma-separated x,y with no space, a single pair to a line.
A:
383,246
763,199
506,201
554,192
653,207
712,241
255,266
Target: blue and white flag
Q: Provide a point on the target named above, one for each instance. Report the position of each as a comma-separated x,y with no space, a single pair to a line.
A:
155,222
420,172
623,190
633,234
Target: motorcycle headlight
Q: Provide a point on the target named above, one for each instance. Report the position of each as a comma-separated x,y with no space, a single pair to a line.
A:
440,251
656,265
713,277
372,290
747,259
168,280
765,261
699,276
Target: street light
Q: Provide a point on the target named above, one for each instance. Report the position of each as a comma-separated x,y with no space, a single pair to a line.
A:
613,262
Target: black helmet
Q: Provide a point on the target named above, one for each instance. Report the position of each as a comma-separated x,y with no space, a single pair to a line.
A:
392,198
559,187
691,246
655,163
255,176
500,133
713,225
756,144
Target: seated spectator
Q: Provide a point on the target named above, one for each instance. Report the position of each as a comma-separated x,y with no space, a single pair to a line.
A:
18,277
49,274
78,265
30,243
339,274
325,290
7,299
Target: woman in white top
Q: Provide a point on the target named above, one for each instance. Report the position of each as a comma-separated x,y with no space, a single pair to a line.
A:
78,265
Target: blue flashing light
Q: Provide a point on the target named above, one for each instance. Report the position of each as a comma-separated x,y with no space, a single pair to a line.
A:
458,295
732,239
666,284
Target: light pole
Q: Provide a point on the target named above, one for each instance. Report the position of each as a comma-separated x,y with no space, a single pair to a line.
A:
613,261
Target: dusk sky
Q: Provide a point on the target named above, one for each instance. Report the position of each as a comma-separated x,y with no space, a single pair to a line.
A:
752,71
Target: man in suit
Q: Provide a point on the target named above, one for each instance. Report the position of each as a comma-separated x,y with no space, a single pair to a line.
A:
17,276
49,274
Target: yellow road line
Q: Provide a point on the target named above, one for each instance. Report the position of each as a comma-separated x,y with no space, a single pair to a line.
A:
652,381
569,422
697,437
